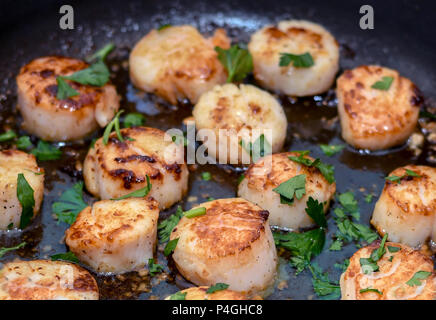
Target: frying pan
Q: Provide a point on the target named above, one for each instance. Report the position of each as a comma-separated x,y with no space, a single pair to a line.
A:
403,39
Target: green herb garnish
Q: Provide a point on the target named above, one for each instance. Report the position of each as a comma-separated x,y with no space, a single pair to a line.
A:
3,251
217,287
70,204
45,151
417,277
115,123
304,60
178,296
67,256
8,135
170,247
294,187
371,290
134,119
370,264
322,285
102,53
23,143
397,179
195,212
237,61
206,176
64,89
25,197
383,84
258,149
326,170
331,150
393,249
166,226
164,26
140,193
154,268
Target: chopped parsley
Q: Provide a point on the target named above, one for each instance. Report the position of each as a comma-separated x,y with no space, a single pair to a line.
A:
140,193
8,135
3,251
195,212
164,26
368,198
393,249
371,290
397,179
370,264
102,53
64,89
114,124
342,266
178,296
417,277
24,143
258,149
25,197
217,287
70,204
45,151
294,187
166,226
67,256
237,61
133,119
322,285
240,178
304,60
327,170
206,176
170,247
154,268
331,150
384,84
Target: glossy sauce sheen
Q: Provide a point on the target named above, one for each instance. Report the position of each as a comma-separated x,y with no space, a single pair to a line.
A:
311,121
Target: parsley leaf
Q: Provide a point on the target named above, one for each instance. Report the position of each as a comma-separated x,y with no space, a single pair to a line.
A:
115,123
64,89
348,201
240,178
342,266
397,179
383,84
370,264
102,53
45,151
70,204
415,280
154,268
315,210
178,296
170,247
304,60
237,61
206,176
322,285
368,198
134,119
217,287
393,249
166,226
26,199
140,193
258,149
371,290
164,26
67,256
327,170
336,245
3,251
426,114
8,135
195,212
295,186
331,150
24,143
96,75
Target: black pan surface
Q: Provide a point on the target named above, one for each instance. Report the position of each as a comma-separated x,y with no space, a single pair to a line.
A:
403,39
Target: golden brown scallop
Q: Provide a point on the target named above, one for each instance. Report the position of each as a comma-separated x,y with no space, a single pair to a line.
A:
115,236
376,119
56,120
295,37
232,243
406,210
236,114
119,168
395,271
268,173
46,280
12,163
178,62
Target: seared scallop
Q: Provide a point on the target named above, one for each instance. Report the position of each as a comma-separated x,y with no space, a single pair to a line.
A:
406,209
374,118
178,63
12,163
46,280
395,279
232,243
119,168
115,236
56,120
271,171
238,116
200,293
296,37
